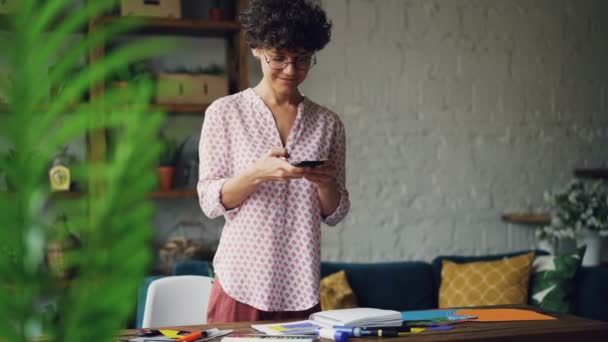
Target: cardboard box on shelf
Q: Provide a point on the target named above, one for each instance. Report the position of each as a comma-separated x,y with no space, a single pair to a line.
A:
152,8
190,89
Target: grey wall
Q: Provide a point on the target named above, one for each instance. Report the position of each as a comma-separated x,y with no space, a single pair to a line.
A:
456,111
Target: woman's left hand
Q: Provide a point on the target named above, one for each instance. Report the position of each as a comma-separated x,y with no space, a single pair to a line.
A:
323,176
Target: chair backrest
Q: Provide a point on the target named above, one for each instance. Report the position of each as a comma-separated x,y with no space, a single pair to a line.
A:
177,300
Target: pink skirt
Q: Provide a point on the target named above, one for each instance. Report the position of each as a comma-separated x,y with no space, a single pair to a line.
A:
224,309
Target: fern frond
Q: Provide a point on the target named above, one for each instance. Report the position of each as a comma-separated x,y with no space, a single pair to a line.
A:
113,218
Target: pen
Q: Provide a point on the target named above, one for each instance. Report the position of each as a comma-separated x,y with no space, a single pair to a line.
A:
381,332
193,337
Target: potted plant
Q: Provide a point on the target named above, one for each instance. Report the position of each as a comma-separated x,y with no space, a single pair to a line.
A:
216,13
579,211
128,74
169,156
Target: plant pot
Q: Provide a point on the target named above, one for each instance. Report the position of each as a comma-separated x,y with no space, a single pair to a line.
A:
216,14
165,177
547,245
593,241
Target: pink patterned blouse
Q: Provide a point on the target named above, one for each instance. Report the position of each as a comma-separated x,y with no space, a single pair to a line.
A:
269,252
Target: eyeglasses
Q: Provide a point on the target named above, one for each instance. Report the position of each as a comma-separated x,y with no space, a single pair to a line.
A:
301,62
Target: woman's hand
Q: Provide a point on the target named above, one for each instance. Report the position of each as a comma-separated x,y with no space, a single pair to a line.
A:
274,167
323,176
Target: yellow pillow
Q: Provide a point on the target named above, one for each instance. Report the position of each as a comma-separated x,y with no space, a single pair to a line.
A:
336,292
478,283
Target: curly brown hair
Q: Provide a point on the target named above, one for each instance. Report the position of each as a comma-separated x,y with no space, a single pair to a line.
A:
292,25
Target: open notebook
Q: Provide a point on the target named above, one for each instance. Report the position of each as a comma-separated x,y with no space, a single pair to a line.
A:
358,317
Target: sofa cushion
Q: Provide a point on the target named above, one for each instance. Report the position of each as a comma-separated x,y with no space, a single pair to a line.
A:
591,295
459,259
553,281
336,292
390,285
193,267
485,282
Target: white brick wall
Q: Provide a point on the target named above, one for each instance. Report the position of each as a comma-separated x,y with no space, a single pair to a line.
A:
455,110
458,110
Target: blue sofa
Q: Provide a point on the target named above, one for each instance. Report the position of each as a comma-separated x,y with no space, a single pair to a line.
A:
414,285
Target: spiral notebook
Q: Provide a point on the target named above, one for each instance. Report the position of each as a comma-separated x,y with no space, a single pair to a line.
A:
358,317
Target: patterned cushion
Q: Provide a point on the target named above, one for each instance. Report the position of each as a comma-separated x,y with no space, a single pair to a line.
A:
485,282
336,293
553,281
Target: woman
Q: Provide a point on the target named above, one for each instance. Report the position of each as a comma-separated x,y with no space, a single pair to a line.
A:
268,260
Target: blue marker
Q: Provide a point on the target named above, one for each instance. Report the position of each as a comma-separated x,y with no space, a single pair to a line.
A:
351,331
334,334
386,332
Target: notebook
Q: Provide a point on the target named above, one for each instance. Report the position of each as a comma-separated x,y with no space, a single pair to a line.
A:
358,317
291,328
269,338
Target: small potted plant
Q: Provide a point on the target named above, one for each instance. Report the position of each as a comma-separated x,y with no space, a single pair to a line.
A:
216,13
579,211
169,157
135,72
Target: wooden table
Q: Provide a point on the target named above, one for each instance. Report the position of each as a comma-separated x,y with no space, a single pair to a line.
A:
566,328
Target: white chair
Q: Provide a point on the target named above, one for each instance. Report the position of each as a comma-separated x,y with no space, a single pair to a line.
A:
177,300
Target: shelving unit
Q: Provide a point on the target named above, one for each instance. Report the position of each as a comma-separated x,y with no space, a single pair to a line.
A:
545,218
185,109
181,26
597,173
175,193
527,218
235,65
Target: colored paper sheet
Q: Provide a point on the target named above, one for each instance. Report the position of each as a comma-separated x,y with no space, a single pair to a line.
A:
504,315
434,315
425,314
170,333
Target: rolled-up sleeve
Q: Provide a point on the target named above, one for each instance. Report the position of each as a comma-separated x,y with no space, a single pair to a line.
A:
338,153
214,162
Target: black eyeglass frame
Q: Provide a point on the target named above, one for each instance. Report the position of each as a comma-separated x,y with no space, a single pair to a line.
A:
314,62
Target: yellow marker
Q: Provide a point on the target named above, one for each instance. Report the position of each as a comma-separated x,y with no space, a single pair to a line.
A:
417,330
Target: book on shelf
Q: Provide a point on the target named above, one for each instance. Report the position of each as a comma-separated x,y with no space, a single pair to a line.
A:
269,338
358,317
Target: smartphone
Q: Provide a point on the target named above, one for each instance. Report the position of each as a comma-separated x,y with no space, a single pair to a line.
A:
308,163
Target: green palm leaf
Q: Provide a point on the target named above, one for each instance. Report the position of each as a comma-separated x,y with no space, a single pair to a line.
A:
113,218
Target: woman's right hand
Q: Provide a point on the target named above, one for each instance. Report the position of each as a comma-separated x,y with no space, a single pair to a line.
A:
274,167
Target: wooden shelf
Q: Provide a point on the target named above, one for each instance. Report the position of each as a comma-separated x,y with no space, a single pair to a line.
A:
55,194
599,173
184,108
67,194
175,193
527,218
181,26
